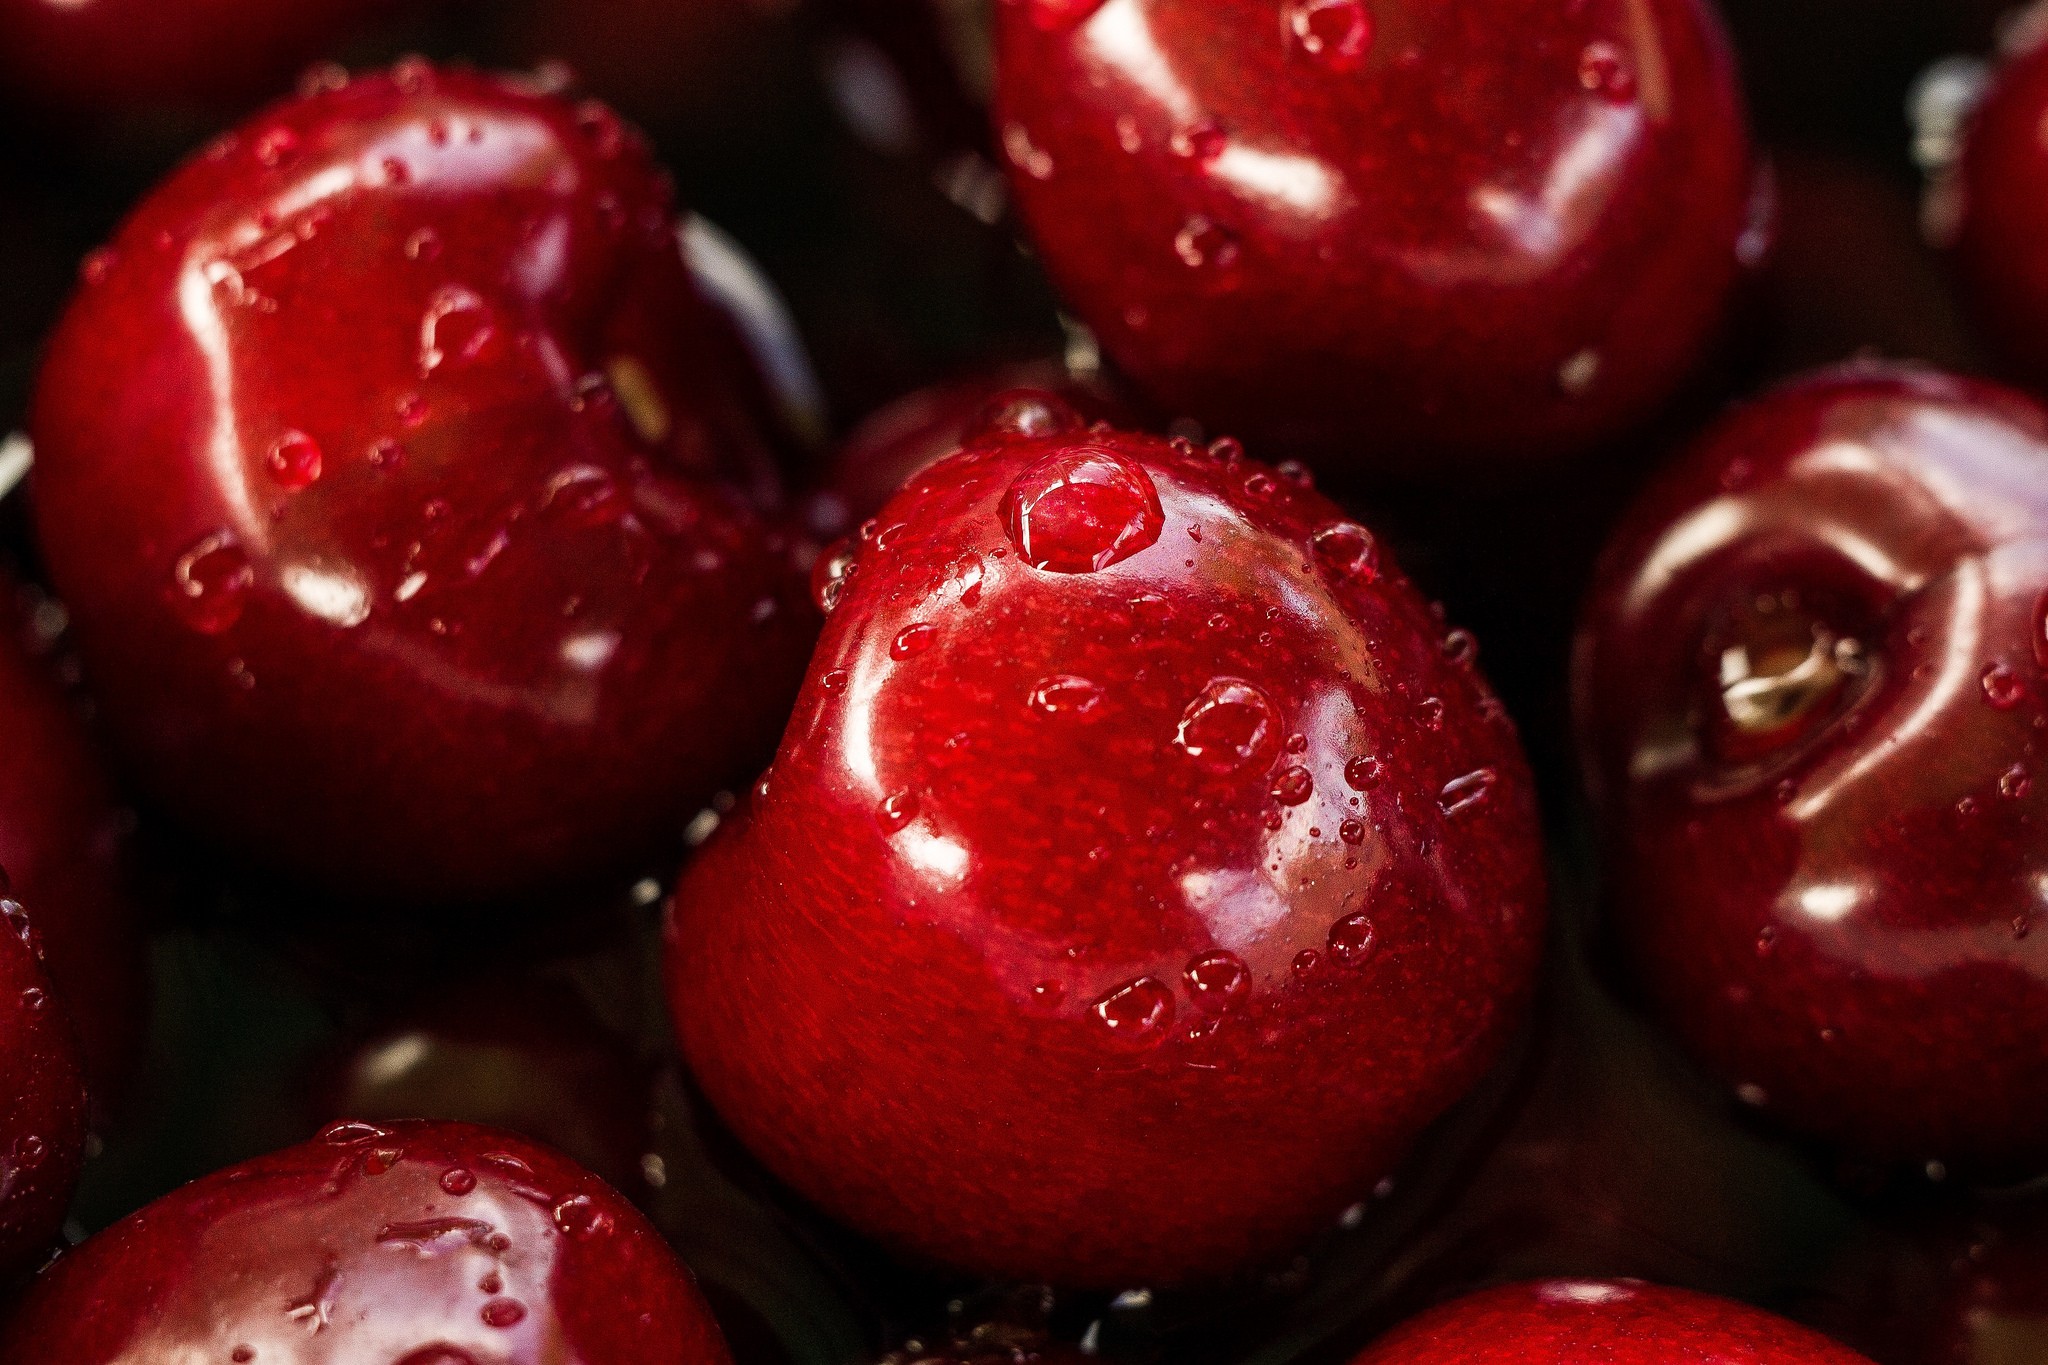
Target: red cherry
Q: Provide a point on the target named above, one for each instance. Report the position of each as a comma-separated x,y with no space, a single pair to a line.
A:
1809,691
1392,234
42,1095
374,467
62,835
78,56
411,1242
1126,855
1990,207
1616,1322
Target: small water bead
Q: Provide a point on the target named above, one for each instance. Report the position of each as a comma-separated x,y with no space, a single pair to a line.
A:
294,461
1337,33
1048,993
1353,941
831,575
1306,961
896,811
1137,1012
424,246
1347,551
1026,155
1604,70
502,1313
1363,773
1202,140
492,1283
457,1181
1081,511
1352,832
579,1216
412,411
242,1355
210,584
1463,793
458,328
1219,979
1228,724
2003,687
1293,786
2015,782
1206,245
1429,712
834,681
965,576
912,641
1064,694
1259,486
35,998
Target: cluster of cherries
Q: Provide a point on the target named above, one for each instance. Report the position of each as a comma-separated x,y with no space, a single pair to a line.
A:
1131,877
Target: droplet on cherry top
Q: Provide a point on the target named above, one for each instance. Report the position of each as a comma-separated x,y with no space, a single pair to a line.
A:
42,1094
417,572
1040,892
402,1241
1811,707
1616,1322
1394,237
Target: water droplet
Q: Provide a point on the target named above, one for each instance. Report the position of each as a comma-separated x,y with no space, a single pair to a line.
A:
1081,511
1429,712
294,461
423,245
1227,725
1352,831
1202,140
1063,694
1463,793
350,1133
242,1355
36,998
457,1181
1206,245
1306,961
2003,688
579,1216
912,641
412,410
834,681
1137,1012
211,582
1217,980
1363,773
1260,485
458,328
831,575
1293,786
1353,941
896,811
965,576
2014,782
1337,33
1347,551
502,1313
1604,71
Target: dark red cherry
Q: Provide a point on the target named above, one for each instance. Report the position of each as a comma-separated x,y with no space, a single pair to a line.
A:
419,1243
1398,236
62,838
1992,206
99,56
42,1095
377,461
1615,1322
1142,848
1810,696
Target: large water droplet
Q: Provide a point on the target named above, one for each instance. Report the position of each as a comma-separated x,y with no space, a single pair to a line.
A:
1463,793
210,584
1337,33
1353,941
1347,551
1228,725
350,1133
1362,773
1063,694
294,461
1136,1013
1080,511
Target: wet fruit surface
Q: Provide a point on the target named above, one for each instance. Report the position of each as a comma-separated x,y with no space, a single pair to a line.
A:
1618,1322
1386,235
378,462
1809,693
410,1242
42,1124
1144,845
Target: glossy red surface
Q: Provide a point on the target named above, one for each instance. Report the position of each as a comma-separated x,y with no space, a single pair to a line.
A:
1616,1322
42,1096
416,1243
1121,920
1397,236
2001,197
1809,693
62,836
98,56
376,462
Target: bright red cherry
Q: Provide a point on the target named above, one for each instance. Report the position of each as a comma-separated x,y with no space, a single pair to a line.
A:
1145,866
414,1243
1615,1322
42,1095
1400,236
375,460
1992,206
79,56
1810,696
62,832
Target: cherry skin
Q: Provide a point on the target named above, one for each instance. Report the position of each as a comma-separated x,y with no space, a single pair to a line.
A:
1809,693
1616,1322
377,459
1394,236
42,1095
1143,869
421,1243
101,56
62,835
1998,195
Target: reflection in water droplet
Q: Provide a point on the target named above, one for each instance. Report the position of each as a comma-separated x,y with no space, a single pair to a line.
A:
1063,694
896,811
458,328
1353,940
912,641
2003,688
1227,725
579,1216
1362,774
294,461
1137,1012
457,1181
1347,551
1081,511
1217,980
502,1313
1293,786
2015,782
1429,712
210,584
1352,831
1206,245
1577,375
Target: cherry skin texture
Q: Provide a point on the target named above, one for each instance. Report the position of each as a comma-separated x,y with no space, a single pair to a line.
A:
417,1243
1394,236
376,461
103,56
42,1095
1143,869
1809,694
2000,190
1615,1322
62,832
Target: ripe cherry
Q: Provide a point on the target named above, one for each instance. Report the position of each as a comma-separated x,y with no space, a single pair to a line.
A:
1143,869
1397,236
1809,694
378,463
